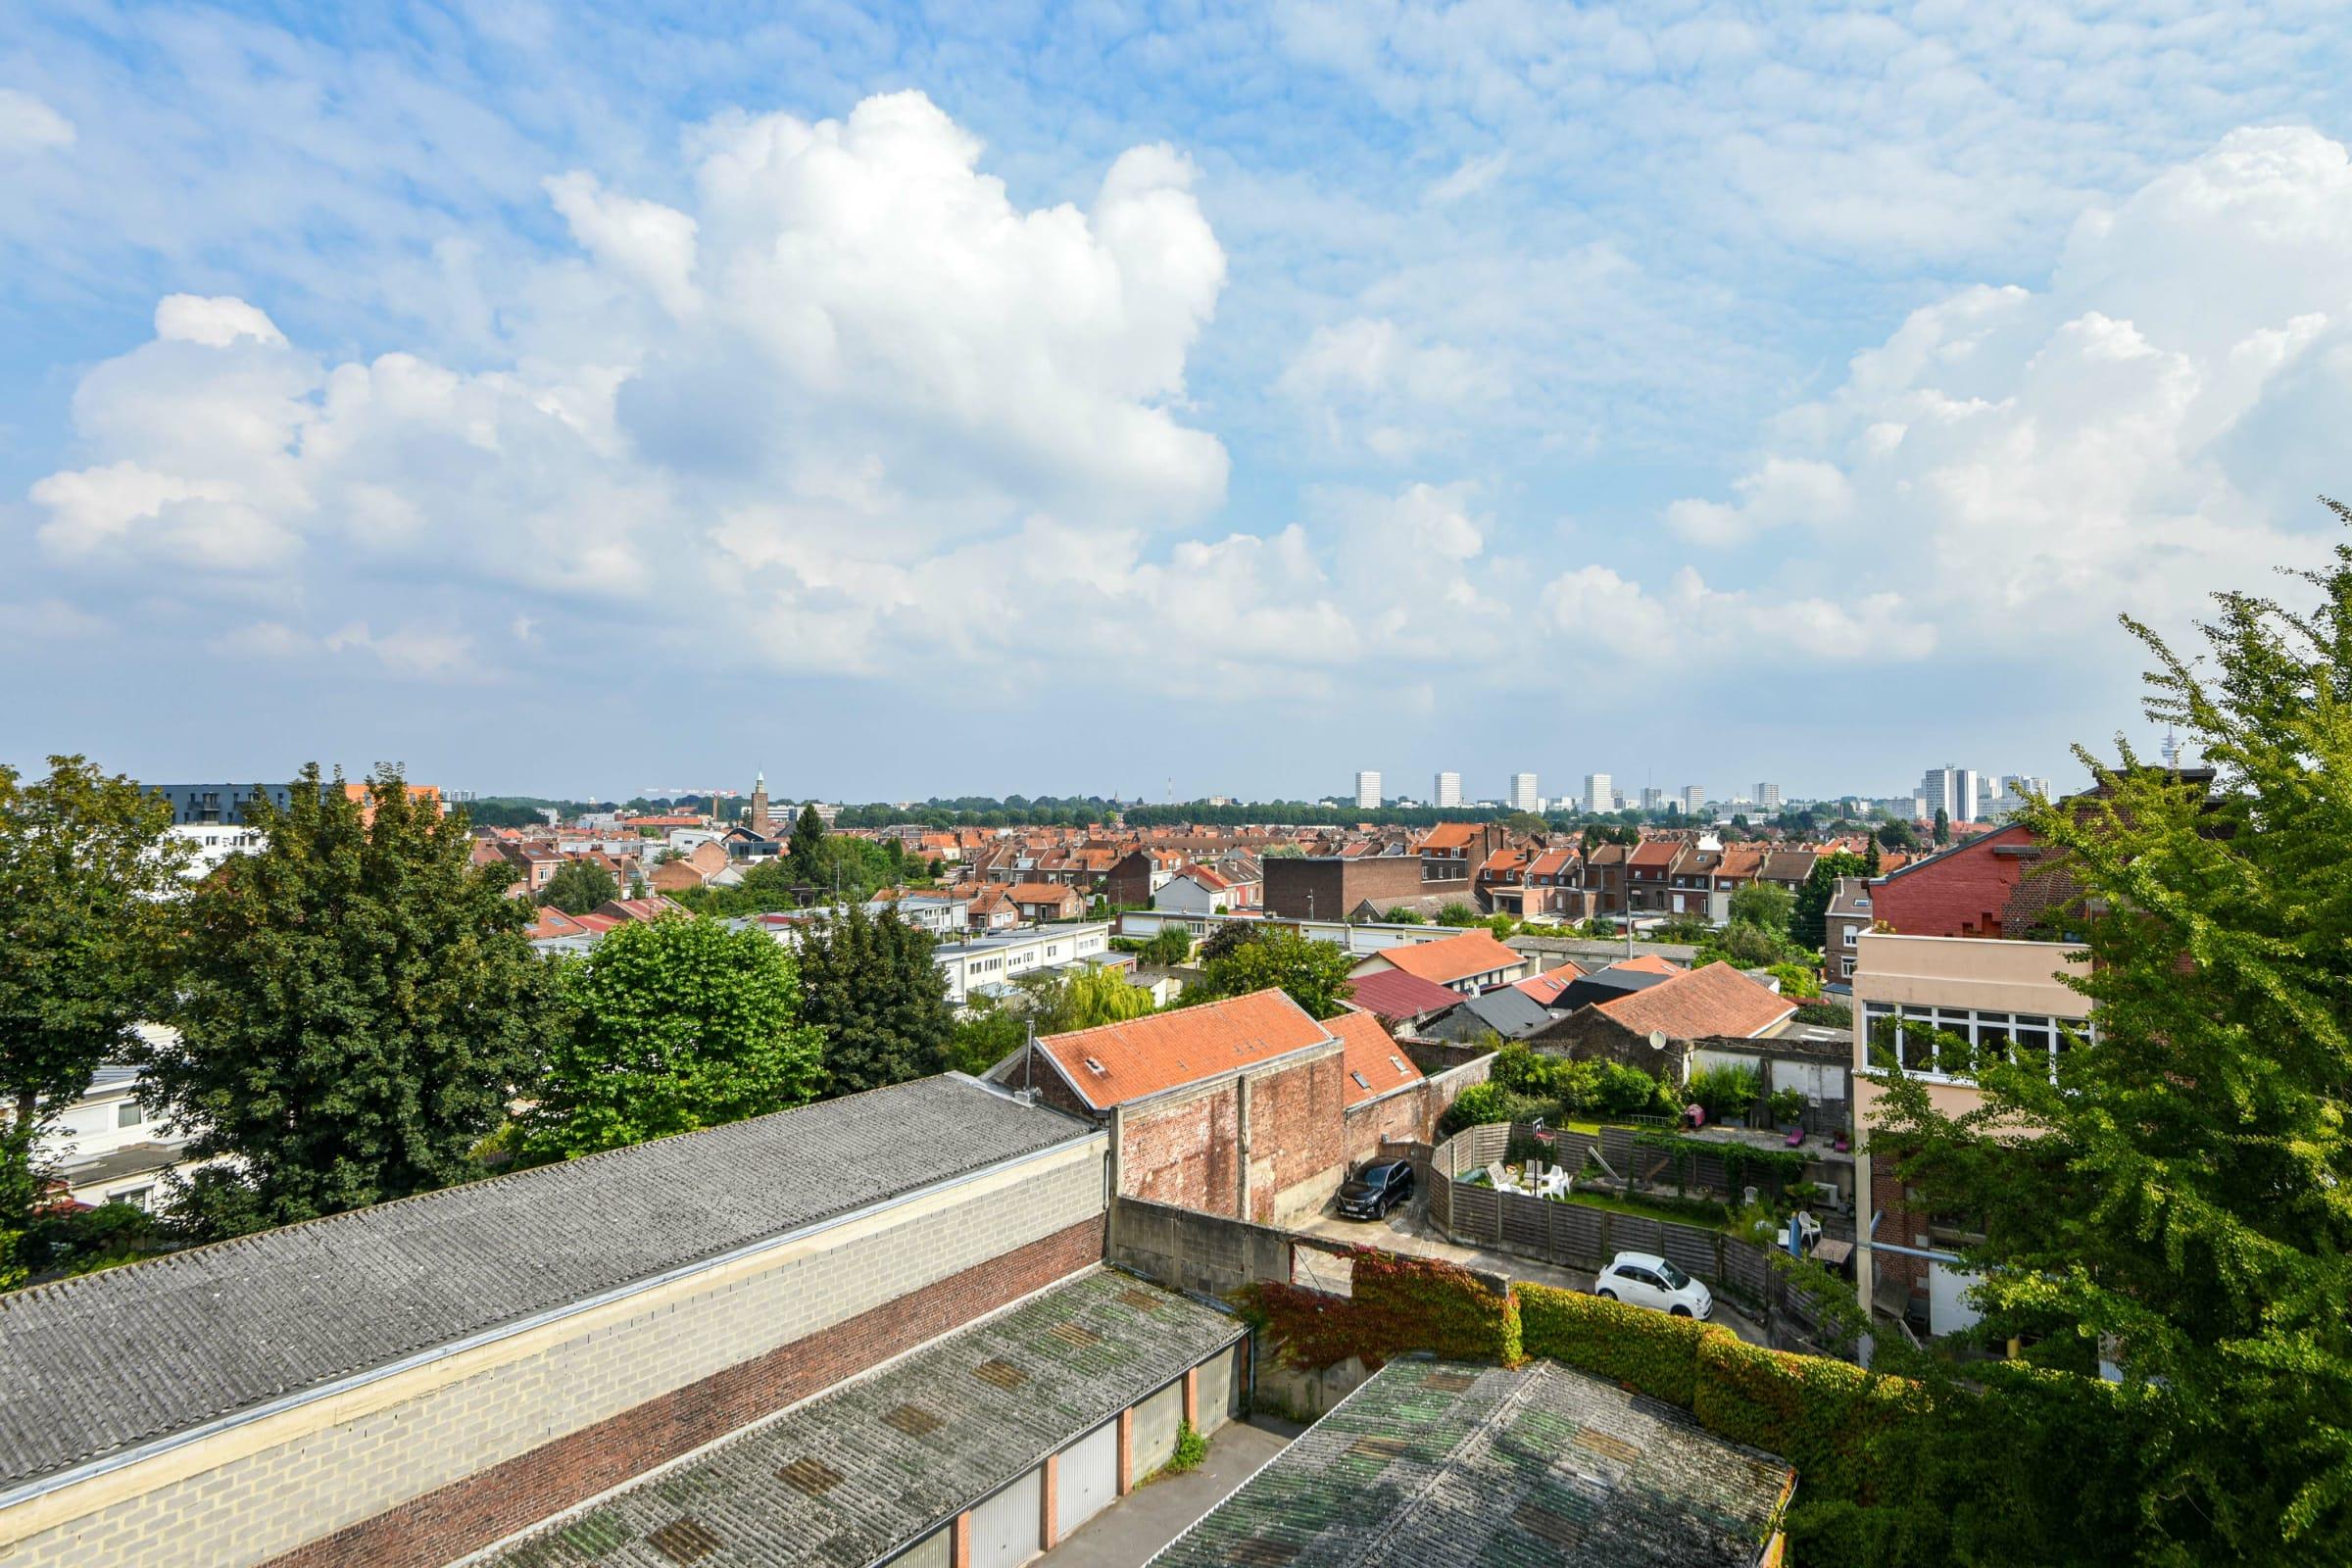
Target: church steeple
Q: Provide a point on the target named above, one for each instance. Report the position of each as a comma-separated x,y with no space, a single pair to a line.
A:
758,821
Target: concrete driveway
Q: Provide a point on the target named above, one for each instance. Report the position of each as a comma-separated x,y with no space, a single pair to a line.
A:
1126,1533
1407,1230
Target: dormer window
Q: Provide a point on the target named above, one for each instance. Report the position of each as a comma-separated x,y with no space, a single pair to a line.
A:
1096,1067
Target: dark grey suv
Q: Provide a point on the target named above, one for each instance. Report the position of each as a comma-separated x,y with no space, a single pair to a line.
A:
1379,1187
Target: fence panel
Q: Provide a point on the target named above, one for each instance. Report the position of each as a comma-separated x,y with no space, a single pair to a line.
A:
1617,1148
1440,1198
1580,1235
1692,1250
1475,1214
1526,1227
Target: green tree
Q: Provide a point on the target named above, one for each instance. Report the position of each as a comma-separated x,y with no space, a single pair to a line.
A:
1405,915
2185,1200
1526,822
1944,827
1313,973
881,1000
91,897
986,1034
1170,946
805,856
1456,915
357,1005
1228,939
1897,834
674,1025
1808,918
1083,999
1766,904
1871,864
579,886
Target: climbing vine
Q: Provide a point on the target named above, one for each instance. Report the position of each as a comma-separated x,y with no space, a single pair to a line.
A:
1399,1304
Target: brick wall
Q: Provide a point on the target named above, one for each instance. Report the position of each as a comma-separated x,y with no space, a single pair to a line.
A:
1963,894
1338,886
323,1467
454,1520
1403,1118
1185,1151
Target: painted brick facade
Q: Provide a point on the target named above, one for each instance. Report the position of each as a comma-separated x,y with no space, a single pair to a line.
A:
628,1377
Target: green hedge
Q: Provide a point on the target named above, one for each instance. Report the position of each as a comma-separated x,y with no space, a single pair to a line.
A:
1656,1353
1818,1415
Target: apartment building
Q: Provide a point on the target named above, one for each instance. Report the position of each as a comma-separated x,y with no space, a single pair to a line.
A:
984,963
1952,963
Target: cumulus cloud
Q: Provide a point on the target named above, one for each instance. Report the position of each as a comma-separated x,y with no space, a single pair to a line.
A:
2017,464
1368,383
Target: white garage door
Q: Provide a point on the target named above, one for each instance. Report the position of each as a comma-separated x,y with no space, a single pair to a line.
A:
1089,1478
1004,1527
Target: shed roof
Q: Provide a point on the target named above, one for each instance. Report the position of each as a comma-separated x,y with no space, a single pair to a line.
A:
1715,999
1449,1464
871,1466
1394,994
216,1330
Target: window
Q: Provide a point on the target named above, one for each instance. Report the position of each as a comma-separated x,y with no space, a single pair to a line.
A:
1953,1042
1850,932
129,1114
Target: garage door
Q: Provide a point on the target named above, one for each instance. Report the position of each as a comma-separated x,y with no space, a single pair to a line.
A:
1216,1392
1004,1527
1089,1478
1156,1420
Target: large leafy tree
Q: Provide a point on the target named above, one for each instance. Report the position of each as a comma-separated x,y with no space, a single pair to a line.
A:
89,894
874,990
1808,919
357,1005
2183,1196
1314,973
579,886
674,1025
804,854
1083,999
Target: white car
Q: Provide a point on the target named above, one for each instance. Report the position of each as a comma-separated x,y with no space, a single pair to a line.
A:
1645,1279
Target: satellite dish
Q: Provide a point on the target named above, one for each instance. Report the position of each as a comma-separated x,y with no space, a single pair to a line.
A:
1657,1040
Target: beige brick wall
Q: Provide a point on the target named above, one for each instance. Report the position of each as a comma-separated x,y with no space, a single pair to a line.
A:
249,1493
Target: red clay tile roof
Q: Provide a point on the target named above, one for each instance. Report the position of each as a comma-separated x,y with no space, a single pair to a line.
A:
1374,1063
1038,893
1394,994
1655,851
1450,836
1168,1050
1547,987
1717,999
1649,963
1551,862
1450,958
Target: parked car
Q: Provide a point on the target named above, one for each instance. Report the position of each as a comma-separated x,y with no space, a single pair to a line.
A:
1376,1188
1645,1279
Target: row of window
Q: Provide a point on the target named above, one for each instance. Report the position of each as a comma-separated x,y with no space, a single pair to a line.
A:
1953,1042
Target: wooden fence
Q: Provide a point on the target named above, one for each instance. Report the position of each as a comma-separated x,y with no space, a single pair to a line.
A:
1574,1235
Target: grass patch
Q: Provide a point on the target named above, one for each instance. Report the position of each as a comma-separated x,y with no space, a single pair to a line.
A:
1686,1212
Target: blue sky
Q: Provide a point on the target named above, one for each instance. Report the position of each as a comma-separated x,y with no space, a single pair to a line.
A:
946,400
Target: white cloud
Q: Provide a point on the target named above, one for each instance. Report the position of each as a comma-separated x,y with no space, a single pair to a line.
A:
29,124
1470,177
2016,467
216,323
1366,382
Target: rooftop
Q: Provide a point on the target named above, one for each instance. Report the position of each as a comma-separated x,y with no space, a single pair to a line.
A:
207,1333
1394,994
1717,999
1114,1063
1375,1064
867,1468
1443,1464
1450,958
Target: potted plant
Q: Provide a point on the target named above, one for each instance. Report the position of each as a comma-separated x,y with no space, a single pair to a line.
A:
1787,1108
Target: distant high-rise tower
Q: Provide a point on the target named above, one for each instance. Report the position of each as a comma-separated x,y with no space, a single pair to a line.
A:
1367,791
1694,799
1768,796
1523,793
1600,792
1448,790
1653,799
758,821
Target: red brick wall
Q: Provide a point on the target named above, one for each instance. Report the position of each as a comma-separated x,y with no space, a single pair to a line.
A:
1296,1127
1403,1118
443,1525
1184,1154
1961,894
1899,1225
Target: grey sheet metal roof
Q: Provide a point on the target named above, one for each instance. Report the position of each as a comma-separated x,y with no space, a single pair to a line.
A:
1442,1464
871,1466
92,1365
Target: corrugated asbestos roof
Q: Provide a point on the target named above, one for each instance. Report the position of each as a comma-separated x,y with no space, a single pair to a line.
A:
870,1466
1438,1464
92,1365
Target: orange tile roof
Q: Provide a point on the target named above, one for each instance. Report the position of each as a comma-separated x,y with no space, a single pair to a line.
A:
1374,1062
1649,963
1038,893
1655,852
1547,987
1717,999
1450,836
1551,862
1169,1050
1450,958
